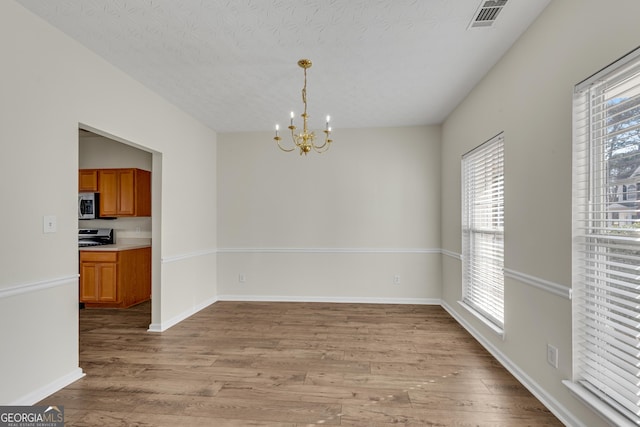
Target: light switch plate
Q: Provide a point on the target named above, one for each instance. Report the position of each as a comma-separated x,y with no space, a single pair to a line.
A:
49,224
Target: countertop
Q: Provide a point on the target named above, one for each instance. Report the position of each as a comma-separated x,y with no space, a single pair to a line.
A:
121,245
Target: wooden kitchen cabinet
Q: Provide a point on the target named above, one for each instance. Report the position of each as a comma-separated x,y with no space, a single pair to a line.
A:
87,180
124,192
98,278
115,279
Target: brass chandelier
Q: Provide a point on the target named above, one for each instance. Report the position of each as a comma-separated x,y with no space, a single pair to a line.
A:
305,140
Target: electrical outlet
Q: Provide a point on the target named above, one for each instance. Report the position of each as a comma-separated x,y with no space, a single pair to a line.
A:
242,278
552,356
396,279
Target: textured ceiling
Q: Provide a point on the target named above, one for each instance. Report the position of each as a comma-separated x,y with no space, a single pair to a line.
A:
233,63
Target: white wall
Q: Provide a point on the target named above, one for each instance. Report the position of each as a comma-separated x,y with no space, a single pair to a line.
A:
49,85
333,226
97,152
528,95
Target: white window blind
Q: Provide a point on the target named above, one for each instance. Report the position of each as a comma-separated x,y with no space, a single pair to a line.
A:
483,230
606,237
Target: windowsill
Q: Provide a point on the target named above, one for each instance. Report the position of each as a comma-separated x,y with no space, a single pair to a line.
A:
495,328
601,408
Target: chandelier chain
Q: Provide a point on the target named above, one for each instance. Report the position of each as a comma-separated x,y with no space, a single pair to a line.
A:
304,91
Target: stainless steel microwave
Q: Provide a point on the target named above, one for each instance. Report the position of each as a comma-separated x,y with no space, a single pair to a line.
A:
88,207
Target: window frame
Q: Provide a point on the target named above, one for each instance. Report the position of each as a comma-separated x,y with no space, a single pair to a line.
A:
482,229
598,274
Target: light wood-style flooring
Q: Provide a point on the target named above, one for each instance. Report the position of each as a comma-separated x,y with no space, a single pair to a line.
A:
291,364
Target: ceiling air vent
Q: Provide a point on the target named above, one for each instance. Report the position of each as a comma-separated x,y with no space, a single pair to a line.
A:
487,13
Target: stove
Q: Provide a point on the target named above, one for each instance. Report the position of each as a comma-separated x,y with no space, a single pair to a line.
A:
95,237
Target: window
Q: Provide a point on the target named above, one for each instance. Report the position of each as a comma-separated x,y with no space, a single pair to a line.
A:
606,253
483,231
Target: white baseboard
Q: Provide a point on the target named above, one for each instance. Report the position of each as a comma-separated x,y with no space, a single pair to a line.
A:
163,326
346,300
565,416
46,391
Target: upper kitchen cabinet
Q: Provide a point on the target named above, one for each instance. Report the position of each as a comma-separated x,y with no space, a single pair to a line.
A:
87,180
124,192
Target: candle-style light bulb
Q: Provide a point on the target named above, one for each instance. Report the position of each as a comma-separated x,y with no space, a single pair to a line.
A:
292,118
277,129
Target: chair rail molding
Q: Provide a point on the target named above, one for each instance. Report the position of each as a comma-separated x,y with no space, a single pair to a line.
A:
38,286
274,250
554,288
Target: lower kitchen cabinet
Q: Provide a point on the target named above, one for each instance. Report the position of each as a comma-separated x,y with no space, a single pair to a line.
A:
115,278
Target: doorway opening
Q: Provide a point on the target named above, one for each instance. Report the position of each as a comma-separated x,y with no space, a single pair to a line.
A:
98,149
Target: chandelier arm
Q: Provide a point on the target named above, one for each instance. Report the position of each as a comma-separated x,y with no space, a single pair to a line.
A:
324,147
295,138
327,142
319,147
288,150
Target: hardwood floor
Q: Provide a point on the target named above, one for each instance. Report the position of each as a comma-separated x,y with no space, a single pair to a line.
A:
291,364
